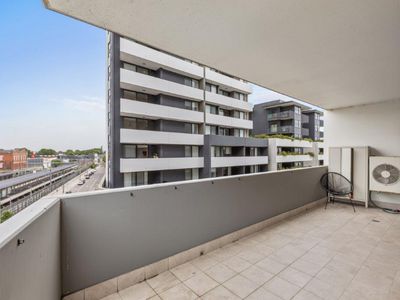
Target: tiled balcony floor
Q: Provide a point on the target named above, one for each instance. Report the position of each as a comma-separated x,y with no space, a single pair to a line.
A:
321,254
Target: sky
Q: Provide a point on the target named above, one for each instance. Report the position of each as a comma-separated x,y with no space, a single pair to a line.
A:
52,80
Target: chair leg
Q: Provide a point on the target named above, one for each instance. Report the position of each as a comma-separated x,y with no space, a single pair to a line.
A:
327,199
352,203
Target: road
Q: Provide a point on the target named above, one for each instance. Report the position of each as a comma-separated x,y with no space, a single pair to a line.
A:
90,184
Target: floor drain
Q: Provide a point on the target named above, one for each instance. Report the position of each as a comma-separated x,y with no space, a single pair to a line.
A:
374,220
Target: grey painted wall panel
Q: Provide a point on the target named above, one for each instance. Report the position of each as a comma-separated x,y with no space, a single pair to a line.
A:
32,270
110,233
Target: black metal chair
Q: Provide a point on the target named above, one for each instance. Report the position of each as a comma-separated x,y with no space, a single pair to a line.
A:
336,185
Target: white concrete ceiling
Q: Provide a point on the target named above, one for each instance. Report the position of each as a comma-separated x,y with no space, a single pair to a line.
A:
329,53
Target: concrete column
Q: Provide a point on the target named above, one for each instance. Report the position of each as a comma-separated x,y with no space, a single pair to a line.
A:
272,155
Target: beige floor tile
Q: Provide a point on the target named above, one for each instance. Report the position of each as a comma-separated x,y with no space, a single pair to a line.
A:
305,295
220,293
115,296
336,278
204,262
241,286
156,297
324,290
237,264
262,294
281,288
294,276
140,291
251,256
185,271
271,265
163,282
257,275
220,273
178,292
201,283
306,266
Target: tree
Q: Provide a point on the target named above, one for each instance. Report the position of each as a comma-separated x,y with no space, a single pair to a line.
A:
69,152
5,216
56,163
45,151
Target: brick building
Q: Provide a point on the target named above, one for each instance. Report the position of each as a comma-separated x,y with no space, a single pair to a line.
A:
13,159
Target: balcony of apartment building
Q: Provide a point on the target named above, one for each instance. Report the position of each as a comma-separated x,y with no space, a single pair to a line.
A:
281,115
141,79
280,129
251,236
145,158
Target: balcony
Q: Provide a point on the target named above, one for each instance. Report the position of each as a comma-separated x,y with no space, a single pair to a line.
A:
280,115
228,102
184,239
99,243
133,136
153,85
224,80
231,161
137,53
305,131
293,158
281,129
154,164
228,121
132,108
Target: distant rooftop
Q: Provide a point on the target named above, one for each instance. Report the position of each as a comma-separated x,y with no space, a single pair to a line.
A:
281,103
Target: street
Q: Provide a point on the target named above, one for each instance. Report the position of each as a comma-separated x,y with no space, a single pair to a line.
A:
90,184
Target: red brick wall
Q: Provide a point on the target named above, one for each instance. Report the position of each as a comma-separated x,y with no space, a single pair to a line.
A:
14,160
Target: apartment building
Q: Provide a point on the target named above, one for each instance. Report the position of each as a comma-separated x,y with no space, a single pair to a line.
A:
14,159
287,118
170,119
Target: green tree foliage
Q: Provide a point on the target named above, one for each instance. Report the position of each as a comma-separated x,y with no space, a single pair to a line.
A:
45,151
5,216
56,163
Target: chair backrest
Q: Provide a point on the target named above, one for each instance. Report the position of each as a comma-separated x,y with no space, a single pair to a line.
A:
336,184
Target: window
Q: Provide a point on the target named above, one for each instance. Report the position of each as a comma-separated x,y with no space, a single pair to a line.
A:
135,96
224,131
191,82
273,128
142,151
195,173
191,105
213,172
239,114
211,129
188,174
226,151
222,92
238,96
135,178
141,124
195,128
129,151
224,112
239,132
211,109
128,66
211,88
297,123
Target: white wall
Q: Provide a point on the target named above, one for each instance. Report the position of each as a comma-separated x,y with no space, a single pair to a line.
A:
374,125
